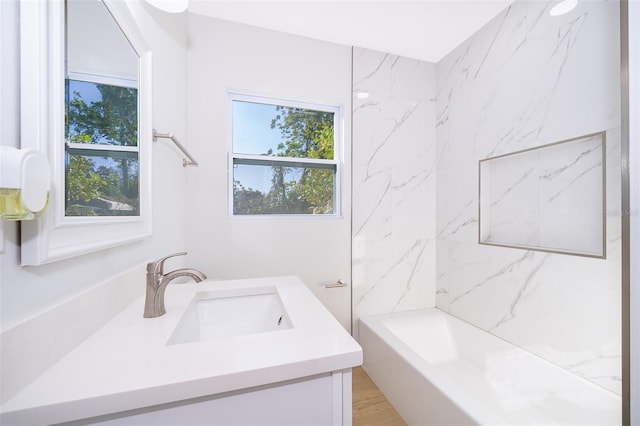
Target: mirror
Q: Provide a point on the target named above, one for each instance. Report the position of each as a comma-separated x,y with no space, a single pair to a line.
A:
85,75
101,111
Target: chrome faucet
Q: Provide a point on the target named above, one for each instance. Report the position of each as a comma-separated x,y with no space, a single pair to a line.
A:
157,282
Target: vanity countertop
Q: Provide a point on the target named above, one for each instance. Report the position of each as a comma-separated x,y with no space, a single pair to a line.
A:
127,364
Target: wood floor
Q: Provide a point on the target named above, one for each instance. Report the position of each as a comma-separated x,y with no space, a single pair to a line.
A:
370,407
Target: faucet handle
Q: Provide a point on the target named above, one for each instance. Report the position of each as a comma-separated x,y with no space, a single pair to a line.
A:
157,266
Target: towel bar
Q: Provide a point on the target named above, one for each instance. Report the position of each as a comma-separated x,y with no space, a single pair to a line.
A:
189,161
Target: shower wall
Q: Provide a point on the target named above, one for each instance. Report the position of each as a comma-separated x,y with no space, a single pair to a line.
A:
524,80
393,184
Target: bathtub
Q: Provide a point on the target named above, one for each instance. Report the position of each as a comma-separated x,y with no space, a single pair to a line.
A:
438,370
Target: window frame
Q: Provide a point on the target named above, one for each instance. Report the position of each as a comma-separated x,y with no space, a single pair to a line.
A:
335,163
53,236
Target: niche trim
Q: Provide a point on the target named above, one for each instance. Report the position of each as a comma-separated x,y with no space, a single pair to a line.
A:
549,198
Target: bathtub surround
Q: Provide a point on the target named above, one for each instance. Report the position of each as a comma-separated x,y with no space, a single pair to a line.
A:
393,230
519,83
525,80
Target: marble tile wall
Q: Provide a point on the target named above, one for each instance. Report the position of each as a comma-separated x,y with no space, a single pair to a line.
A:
524,80
393,251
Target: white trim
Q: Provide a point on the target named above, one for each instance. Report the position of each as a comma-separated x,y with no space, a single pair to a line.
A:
272,100
335,162
347,397
102,79
342,397
336,397
53,236
101,147
274,159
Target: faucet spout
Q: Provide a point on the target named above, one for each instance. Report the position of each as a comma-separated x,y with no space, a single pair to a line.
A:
157,283
186,272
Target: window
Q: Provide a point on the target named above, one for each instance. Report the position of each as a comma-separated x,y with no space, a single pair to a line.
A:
284,157
101,148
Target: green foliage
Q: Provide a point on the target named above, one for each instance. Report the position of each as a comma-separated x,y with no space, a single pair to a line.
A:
306,134
317,190
82,183
112,120
247,201
78,137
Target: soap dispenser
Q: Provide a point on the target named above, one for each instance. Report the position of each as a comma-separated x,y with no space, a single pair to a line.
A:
25,182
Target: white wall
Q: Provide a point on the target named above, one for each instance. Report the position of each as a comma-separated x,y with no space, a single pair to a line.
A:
394,187
227,56
27,291
528,79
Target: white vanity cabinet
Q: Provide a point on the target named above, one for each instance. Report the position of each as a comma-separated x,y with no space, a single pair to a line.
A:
324,399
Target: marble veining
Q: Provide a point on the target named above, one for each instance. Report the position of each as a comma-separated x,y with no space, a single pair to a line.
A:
498,31
596,167
595,370
551,174
511,314
454,225
526,80
412,184
393,184
378,202
415,251
398,123
502,271
420,248
381,60
512,187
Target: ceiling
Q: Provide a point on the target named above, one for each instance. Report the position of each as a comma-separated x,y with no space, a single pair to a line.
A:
420,29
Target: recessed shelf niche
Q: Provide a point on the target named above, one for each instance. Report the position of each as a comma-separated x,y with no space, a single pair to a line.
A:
548,198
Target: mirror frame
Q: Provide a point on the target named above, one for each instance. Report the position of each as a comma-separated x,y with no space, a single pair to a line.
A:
54,236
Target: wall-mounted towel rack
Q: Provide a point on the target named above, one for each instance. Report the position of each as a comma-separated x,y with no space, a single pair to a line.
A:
189,161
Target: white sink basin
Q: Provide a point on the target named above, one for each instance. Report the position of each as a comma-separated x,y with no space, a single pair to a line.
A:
213,315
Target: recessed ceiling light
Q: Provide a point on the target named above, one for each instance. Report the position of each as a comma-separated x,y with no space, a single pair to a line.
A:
563,7
362,94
